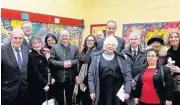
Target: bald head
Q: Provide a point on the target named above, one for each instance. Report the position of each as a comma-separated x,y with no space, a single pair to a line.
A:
62,32
64,37
17,37
17,31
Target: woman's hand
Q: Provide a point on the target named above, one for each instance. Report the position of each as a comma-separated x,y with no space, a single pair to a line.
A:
92,95
126,96
133,83
78,81
52,81
175,69
46,88
136,101
168,102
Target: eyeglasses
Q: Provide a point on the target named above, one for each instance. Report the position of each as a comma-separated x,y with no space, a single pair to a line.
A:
26,27
17,38
90,40
151,56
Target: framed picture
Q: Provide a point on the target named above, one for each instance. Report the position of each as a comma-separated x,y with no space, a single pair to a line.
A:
97,27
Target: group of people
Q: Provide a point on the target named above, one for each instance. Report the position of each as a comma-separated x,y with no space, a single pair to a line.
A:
33,72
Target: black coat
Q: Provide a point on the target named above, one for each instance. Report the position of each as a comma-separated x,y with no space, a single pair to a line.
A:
135,63
175,55
37,77
13,79
164,93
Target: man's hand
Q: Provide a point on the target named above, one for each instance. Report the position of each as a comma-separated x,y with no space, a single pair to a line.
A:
67,64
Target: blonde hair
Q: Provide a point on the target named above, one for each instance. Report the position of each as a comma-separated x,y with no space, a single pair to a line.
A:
26,22
169,33
110,40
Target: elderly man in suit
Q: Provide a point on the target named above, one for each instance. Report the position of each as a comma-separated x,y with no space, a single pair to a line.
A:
64,58
111,27
14,58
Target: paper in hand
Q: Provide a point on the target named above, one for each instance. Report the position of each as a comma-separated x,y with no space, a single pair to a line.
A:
120,93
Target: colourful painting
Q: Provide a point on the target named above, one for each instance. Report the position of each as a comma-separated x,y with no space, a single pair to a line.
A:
147,30
41,29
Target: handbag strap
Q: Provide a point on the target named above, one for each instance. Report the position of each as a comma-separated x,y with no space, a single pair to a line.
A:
46,98
55,102
162,73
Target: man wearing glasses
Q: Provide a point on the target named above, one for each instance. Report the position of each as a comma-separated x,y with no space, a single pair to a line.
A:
27,29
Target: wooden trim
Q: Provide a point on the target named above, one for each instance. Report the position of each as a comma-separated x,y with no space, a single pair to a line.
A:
95,25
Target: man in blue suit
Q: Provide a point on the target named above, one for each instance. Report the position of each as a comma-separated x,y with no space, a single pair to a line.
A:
111,27
14,59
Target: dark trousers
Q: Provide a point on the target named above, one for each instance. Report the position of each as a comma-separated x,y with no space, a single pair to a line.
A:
176,98
141,103
59,88
85,97
19,100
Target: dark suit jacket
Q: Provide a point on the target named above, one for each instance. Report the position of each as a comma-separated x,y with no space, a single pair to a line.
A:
13,78
120,47
25,43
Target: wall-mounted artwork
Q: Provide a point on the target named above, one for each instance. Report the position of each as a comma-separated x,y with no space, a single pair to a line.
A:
147,30
40,29
97,27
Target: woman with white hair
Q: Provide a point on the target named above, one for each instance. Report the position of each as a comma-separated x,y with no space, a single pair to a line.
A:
108,71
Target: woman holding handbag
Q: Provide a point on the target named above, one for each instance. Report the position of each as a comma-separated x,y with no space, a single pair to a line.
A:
90,44
38,73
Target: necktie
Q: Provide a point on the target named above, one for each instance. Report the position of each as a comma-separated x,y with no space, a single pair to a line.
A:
135,52
19,58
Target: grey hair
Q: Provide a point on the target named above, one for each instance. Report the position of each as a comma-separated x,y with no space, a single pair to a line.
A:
16,30
64,31
110,40
134,34
33,39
